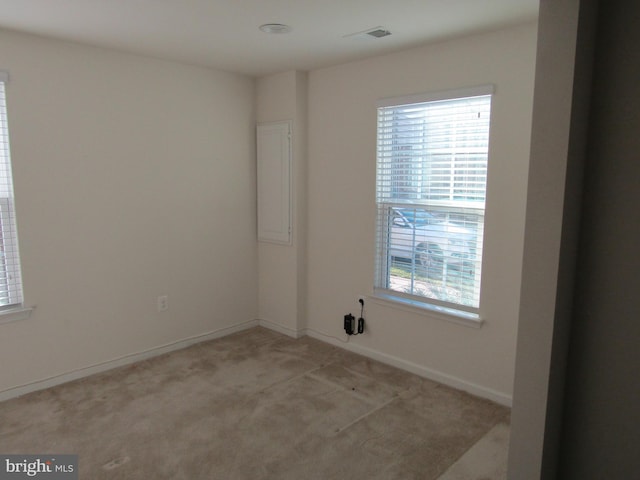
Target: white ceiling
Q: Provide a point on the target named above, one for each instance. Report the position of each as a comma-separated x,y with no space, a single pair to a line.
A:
224,33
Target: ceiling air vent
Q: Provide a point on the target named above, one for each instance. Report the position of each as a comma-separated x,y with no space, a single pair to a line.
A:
377,32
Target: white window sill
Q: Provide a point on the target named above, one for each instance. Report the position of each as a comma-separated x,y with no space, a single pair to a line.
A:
15,314
460,317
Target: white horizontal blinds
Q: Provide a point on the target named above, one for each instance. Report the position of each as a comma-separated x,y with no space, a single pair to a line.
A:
431,186
10,282
434,152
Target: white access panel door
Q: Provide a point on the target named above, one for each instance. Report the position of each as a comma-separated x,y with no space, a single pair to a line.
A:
274,182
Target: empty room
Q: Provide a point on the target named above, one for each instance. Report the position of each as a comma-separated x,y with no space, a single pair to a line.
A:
279,239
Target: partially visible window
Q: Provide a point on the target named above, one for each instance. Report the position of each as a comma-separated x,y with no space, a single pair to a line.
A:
432,157
10,281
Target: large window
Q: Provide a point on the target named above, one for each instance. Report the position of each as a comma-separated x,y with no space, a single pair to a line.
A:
10,282
432,156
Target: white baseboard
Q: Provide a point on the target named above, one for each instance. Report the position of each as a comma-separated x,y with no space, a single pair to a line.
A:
290,332
392,360
436,376
121,361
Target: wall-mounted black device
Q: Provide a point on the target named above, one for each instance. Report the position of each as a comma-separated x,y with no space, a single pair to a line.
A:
349,324
350,321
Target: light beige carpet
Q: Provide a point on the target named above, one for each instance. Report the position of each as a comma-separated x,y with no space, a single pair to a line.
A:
254,405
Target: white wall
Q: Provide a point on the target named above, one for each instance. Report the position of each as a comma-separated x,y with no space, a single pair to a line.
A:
134,178
342,123
558,147
282,268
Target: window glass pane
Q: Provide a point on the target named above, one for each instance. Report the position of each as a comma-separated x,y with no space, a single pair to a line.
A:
433,253
10,281
431,188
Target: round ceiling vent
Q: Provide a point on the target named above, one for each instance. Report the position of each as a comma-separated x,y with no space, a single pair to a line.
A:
275,28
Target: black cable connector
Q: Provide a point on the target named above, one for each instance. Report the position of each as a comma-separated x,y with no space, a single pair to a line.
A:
361,319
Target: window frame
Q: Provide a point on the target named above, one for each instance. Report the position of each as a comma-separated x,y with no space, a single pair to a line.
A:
383,264
12,307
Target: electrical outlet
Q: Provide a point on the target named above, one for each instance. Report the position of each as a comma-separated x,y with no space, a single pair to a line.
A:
163,303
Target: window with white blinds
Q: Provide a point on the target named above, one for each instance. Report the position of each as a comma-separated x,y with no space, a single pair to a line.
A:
432,155
10,281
